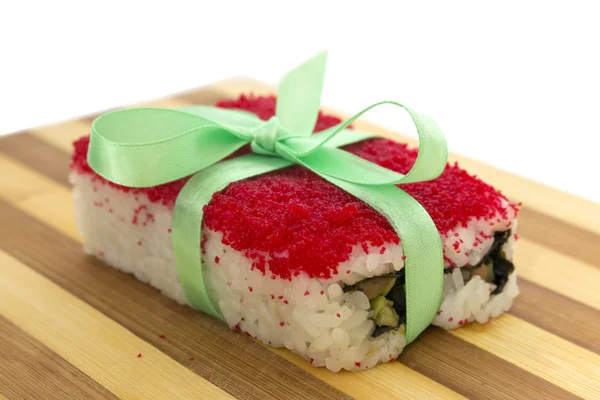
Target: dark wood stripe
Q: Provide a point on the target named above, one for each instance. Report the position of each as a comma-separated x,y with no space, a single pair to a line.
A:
228,359
233,356
48,160
30,370
472,372
561,236
558,314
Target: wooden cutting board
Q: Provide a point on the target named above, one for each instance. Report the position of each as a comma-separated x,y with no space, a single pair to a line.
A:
72,328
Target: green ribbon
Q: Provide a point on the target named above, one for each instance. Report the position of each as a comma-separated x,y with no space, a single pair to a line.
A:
148,147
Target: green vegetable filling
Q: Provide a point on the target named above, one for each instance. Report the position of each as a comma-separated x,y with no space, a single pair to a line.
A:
387,295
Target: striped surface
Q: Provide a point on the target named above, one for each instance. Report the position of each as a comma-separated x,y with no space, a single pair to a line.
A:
72,328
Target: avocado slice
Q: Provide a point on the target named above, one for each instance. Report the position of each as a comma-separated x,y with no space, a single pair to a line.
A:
387,317
375,286
379,303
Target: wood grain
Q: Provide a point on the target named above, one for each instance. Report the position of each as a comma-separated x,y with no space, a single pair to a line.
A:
560,236
558,314
547,347
95,344
560,272
539,352
477,374
32,151
30,370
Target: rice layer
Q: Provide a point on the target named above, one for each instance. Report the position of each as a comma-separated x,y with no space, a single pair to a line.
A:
311,316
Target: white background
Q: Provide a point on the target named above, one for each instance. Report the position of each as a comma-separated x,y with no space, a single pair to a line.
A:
515,84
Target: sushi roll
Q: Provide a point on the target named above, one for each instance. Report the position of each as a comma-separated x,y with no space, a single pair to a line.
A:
297,262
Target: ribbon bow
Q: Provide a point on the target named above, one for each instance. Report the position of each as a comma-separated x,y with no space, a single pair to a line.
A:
148,146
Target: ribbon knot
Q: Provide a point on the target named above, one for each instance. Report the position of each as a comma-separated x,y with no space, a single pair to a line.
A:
265,137
149,147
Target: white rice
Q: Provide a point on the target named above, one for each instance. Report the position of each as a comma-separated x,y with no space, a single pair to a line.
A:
312,317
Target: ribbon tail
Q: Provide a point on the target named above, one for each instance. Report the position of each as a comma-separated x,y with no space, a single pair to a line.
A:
187,220
421,243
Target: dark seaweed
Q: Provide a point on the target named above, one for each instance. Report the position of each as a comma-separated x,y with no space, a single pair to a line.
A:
502,269
502,266
380,330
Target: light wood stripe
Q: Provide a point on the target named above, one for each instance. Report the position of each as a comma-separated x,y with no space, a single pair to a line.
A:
385,382
232,361
516,374
13,178
539,352
63,135
29,370
558,272
90,341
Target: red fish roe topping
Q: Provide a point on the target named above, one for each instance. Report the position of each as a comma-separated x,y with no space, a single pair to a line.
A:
280,297
382,250
450,319
162,337
285,302
287,211
141,214
281,323
217,259
322,292
357,364
403,258
306,293
338,315
250,288
140,355
272,297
